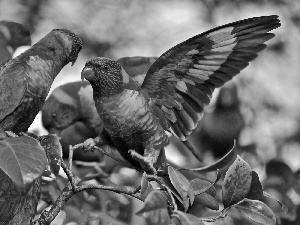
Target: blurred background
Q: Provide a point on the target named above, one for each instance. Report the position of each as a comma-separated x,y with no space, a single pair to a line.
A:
260,108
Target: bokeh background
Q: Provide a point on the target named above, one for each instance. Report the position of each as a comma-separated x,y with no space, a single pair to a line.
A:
267,92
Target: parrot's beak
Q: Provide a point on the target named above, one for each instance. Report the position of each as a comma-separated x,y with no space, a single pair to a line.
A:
88,74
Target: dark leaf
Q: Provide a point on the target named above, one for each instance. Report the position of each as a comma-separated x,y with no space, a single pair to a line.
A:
188,219
279,169
200,186
224,161
256,191
53,149
146,187
297,182
207,200
23,160
205,193
182,185
157,217
257,211
168,183
17,208
283,207
155,200
237,182
155,210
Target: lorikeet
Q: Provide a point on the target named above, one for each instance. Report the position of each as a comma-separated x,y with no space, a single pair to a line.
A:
26,80
177,87
12,36
70,110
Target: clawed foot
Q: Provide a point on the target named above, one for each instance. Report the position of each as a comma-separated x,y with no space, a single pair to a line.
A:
146,163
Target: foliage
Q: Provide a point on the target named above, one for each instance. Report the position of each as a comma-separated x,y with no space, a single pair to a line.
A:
89,192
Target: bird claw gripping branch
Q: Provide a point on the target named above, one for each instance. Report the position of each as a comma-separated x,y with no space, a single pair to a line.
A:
176,89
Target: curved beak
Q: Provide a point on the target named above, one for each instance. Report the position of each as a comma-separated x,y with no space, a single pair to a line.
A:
88,74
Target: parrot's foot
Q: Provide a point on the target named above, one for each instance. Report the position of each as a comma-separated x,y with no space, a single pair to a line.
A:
146,162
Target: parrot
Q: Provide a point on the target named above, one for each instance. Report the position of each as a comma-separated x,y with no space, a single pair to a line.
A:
70,110
25,81
222,125
176,89
12,36
24,85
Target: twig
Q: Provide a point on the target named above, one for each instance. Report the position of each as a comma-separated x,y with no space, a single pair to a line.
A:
72,188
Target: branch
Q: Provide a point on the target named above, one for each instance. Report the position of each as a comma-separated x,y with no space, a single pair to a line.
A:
72,188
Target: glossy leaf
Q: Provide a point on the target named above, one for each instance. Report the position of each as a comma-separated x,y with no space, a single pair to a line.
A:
23,159
256,190
205,194
207,200
146,187
237,182
182,185
53,150
17,208
200,186
257,211
283,207
188,219
168,183
221,163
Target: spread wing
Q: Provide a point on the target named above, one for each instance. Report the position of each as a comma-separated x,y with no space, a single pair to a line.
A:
181,81
12,86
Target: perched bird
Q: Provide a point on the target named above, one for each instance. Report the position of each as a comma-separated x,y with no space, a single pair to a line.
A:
24,84
26,80
221,126
12,36
177,87
70,110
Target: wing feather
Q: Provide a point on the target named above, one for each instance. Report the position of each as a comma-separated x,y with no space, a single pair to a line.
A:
181,81
12,87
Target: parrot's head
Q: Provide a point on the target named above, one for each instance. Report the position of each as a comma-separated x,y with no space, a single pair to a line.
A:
70,41
106,76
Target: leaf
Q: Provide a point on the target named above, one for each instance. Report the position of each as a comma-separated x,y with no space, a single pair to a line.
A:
205,193
53,150
283,207
23,159
157,217
155,210
237,182
283,173
182,185
207,200
200,186
17,208
168,183
256,190
155,200
146,187
224,161
188,219
257,211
